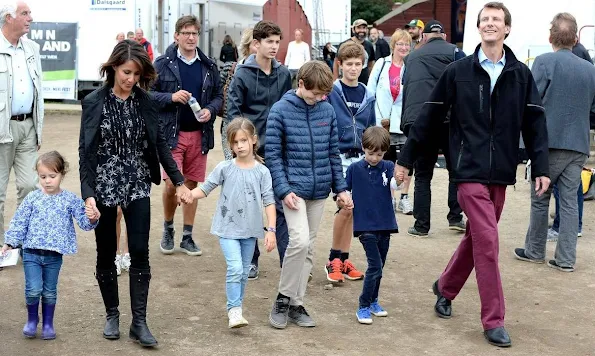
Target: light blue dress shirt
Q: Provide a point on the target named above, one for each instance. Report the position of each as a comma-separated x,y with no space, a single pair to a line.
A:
191,61
493,69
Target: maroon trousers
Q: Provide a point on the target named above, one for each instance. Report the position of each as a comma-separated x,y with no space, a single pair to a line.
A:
479,249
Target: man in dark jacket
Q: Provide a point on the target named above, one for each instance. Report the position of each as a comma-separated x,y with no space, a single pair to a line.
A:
381,47
581,51
184,71
492,99
423,68
257,84
568,126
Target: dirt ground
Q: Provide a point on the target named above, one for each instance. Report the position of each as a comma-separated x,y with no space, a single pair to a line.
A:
547,311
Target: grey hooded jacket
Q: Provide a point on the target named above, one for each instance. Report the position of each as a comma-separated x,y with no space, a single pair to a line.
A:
252,93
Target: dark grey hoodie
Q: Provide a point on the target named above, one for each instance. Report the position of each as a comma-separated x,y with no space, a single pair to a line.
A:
251,94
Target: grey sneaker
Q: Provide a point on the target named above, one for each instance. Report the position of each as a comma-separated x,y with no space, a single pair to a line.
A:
552,235
413,232
167,241
299,316
189,247
253,272
458,226
279,313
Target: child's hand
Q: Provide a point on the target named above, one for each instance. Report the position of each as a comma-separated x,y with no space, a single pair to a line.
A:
92,213
187,198
345,198
4,249
270,241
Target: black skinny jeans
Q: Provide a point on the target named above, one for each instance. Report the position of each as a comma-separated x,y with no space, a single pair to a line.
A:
137,216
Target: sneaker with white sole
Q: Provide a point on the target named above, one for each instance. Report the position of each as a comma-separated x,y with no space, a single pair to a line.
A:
552,235
553,264
167,241
125,263
395,204
377,310
236,320
118,263
405,206
364,316
253,272
189,247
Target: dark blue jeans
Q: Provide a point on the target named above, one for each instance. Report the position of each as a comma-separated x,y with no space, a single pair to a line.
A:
376,246
282,235
580,198
42,268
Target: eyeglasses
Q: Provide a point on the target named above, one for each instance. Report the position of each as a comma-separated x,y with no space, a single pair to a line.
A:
401,44
189,34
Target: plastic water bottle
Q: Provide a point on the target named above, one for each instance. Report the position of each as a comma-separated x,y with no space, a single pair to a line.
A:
195,106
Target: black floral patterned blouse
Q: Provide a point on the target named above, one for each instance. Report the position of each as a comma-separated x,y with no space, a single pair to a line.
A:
123,174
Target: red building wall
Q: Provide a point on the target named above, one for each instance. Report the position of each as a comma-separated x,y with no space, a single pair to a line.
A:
433,9
289,15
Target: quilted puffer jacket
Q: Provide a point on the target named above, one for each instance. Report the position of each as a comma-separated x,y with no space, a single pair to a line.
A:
302,149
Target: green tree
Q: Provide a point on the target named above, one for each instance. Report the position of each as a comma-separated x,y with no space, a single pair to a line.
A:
371,10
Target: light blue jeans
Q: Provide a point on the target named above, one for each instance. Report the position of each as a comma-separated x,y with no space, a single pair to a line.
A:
42,269
238,255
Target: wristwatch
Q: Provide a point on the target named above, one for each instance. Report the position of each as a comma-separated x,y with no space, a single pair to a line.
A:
270,229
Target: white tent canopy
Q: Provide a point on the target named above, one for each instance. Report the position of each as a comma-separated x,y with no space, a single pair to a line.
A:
529,36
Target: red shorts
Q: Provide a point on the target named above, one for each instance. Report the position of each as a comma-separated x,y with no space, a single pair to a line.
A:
188,156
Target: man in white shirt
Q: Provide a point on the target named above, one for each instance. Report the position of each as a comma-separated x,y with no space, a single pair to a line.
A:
21,102
298,53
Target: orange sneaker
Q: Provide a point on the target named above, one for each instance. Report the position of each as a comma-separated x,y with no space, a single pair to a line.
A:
334,271
350,272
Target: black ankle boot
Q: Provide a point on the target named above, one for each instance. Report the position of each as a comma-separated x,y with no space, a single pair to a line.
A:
139,293
108,285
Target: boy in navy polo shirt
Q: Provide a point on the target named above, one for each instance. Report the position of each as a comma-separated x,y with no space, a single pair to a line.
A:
373,216
354,109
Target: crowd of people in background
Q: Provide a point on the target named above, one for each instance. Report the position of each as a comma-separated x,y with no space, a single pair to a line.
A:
361,123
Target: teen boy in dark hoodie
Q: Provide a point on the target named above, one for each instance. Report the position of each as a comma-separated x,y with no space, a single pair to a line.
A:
257,84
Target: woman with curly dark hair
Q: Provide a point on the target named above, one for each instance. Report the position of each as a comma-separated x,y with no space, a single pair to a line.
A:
120,147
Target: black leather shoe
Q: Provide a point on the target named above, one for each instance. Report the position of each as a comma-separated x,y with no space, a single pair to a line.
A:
442,307
497,337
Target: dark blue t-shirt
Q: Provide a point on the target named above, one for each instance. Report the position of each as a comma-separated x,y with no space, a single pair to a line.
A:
354,96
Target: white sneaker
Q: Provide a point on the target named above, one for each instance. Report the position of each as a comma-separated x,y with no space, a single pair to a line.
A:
552,235
395,204
125,263
405,206
118,263
236,320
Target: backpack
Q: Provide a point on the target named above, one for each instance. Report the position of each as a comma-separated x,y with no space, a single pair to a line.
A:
227,80
587,180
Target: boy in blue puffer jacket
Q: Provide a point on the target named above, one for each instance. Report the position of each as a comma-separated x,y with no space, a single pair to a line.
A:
354,108
302,151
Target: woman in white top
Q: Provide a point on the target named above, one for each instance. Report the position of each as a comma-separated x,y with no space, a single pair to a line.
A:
386,83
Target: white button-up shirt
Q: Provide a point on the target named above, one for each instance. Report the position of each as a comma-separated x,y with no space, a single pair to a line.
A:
189,62
22,85
493,69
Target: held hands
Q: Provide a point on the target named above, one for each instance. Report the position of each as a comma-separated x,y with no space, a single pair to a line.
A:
291,201
541,185
181,96
400,174
91,209
184,195
270,241
344,201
